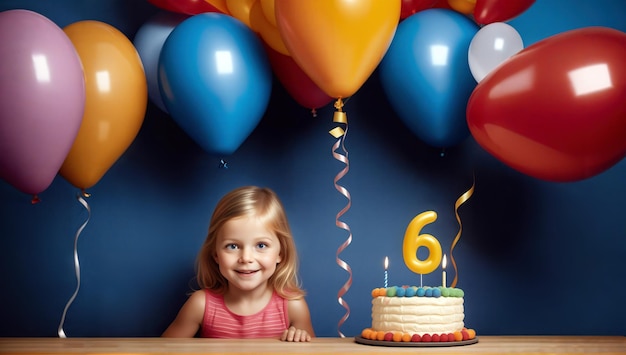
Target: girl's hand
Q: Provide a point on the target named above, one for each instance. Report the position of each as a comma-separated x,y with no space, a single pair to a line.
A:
300,327
295,335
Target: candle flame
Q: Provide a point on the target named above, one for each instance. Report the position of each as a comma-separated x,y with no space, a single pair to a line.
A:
386,262
444,262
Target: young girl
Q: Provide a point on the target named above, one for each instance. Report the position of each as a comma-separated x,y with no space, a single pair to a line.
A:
247,271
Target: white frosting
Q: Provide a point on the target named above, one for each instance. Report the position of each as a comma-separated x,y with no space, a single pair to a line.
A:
418,315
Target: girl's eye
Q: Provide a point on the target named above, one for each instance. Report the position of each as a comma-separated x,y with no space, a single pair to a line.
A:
231,246
262,245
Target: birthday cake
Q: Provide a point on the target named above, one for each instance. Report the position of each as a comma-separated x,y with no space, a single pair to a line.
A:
418,314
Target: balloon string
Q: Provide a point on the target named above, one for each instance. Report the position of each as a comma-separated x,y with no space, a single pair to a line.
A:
464,197
340,134
83,202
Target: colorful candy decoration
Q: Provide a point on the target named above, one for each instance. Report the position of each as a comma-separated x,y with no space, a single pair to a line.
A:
459,335
417,291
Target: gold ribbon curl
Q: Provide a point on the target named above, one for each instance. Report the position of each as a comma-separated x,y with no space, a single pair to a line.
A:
461,200
340,134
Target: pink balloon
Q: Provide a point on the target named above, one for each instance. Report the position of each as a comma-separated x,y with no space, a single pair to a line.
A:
42,99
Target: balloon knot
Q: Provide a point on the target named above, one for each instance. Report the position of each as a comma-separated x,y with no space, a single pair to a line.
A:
85,194
338,104
35,199
223,164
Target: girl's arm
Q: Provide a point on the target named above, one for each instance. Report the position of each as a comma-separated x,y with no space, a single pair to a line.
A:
300,328
189,318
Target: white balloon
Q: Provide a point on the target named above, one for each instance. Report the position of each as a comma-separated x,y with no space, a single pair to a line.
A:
492,45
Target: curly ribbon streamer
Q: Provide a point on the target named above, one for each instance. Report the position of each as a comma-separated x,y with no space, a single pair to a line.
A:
81,198
340,134
461,200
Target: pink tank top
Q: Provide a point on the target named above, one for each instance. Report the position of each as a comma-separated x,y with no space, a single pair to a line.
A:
220,322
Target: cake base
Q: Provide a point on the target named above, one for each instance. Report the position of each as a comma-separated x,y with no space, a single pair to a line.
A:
359,339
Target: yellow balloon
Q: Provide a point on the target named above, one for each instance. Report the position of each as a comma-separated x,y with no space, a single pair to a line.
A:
413,240
463,6
116,97
220,5
268,11
240,9
266,30
337,43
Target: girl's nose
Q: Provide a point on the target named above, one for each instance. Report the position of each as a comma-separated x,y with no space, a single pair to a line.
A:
246,255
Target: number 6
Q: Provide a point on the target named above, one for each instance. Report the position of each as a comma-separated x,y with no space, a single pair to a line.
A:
412,243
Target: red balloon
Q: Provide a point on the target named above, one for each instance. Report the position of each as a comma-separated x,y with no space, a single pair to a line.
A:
296,81
409,7
189,7
489,11
556,110
442,4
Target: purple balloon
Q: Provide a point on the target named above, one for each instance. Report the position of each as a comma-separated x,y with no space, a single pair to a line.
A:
42,99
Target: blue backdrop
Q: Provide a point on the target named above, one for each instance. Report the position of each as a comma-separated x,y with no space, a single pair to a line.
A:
535,257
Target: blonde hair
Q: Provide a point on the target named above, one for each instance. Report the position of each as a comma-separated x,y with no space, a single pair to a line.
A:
261,203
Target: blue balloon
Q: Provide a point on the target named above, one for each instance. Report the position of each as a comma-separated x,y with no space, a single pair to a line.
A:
215,80
426,76
149,41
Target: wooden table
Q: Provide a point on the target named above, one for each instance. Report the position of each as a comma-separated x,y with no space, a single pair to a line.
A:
136,346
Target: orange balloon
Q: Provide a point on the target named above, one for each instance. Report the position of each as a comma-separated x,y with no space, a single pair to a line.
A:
269,11
240,9
220,5
463,6
337,43
266,30
116,98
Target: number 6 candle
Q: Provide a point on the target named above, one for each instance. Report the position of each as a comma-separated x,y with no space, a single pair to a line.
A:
413,240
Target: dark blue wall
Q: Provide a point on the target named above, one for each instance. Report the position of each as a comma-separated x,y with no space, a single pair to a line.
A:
535,257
